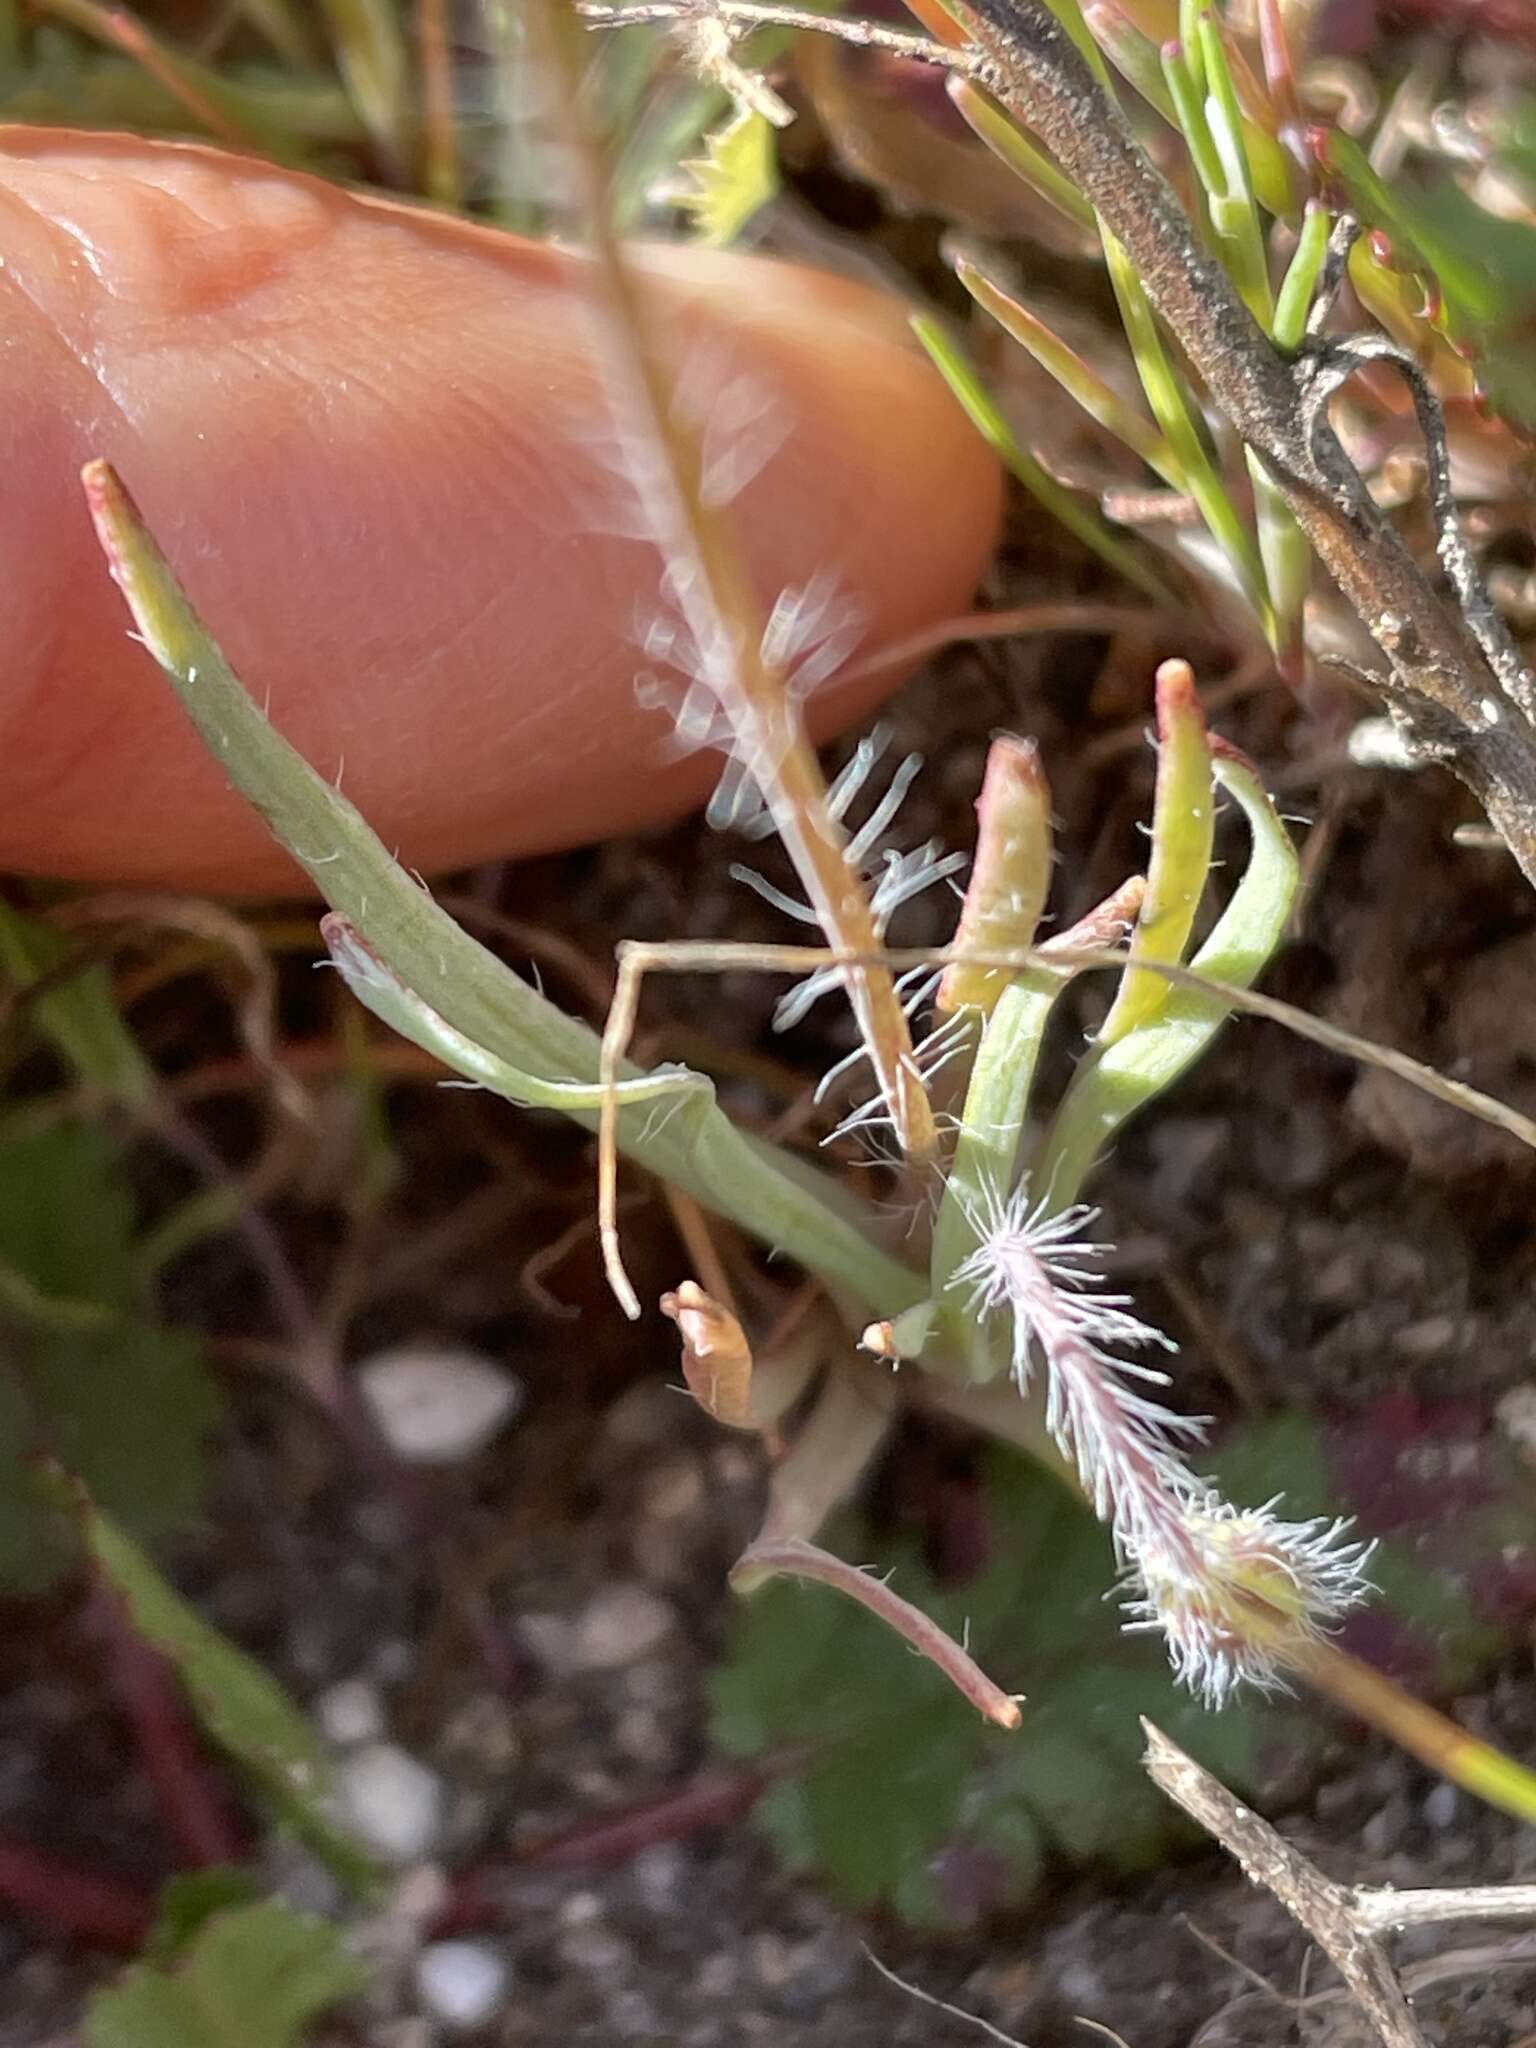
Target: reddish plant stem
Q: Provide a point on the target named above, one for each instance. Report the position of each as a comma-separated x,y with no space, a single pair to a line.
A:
193,1807
715,1799
97,1911
763,1561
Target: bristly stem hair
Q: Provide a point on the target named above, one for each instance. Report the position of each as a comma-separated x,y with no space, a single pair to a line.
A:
706,577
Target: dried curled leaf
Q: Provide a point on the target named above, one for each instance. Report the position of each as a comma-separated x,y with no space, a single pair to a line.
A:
717,1359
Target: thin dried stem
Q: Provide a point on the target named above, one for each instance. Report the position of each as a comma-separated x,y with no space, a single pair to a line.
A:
1385,1910
1011,625
1325,1909
749,14
764,1561
639,958
439,139
954,2012
709,582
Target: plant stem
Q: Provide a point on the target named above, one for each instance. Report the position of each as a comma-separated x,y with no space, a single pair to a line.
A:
779,1199
713,591
764,1561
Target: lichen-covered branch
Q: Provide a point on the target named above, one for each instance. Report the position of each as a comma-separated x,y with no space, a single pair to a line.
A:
1447,696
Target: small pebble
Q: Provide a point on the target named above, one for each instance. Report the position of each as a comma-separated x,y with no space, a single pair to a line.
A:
620,1624
410,2032
350,1712
595,1952
1441,1806
394,1802
462,1983
434,1405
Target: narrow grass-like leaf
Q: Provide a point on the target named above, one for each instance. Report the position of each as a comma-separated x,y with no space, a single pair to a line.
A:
1084,521
243,1709
1183,831
1006,139
1135,56
771,1195
1118,1080
375,66
1294,300
1175,414
1234,214
196,87
1184,89
991,1131
382,991
79,1016
1094,393
986,1157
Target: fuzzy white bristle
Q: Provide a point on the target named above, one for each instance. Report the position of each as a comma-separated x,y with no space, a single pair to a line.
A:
1235,1592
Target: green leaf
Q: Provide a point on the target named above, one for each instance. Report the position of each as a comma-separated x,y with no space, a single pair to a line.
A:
1183,831
1118,1080
125,1403
1093,392
1085,521
802,1212
986,1152
79,1017
884,1802
240,1706
66,1214
191,1899
1294,301
734,179
905,1800
253,1977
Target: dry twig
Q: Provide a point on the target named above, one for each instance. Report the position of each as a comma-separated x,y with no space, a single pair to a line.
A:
1456,688
1326,1910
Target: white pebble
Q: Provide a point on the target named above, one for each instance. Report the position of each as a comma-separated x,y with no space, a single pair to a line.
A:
434,1405
1441,1806
350,1712
617,1626
461,1983
394,1803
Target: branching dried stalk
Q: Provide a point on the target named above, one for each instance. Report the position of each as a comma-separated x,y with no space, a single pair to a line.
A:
1451,687
1325,1909
746,15
1346,1922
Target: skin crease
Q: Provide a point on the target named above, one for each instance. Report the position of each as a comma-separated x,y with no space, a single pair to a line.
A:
374,444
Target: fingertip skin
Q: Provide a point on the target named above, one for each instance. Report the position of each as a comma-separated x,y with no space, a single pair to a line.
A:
374,444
